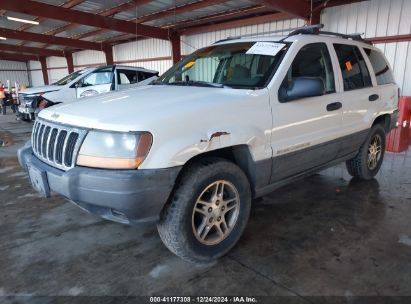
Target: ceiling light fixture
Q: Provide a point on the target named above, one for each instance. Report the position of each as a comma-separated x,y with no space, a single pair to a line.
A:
23,20
3,38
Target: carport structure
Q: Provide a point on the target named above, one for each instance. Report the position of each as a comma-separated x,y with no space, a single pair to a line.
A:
72,25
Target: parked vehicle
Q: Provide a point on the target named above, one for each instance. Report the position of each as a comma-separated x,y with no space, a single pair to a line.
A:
229,123
83,83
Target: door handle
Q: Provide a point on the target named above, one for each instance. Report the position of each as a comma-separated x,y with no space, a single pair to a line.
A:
374,97
334,106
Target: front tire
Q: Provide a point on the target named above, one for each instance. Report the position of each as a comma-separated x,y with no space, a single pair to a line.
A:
207,212
366,164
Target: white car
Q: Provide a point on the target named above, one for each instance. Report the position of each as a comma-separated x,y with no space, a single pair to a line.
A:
229,123
82,83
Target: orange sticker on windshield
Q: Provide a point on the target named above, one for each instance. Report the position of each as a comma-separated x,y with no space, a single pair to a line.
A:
348,65
189,64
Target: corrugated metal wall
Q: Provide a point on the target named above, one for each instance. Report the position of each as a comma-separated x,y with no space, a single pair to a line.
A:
139,53
57,68
194,42
85,58
15,71
378,18
36,76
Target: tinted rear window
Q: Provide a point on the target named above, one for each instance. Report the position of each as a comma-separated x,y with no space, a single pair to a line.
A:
354,70
381,68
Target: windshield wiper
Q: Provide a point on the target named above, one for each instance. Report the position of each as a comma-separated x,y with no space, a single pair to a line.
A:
198,84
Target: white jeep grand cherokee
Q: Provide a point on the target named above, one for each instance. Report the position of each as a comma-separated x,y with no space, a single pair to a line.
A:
229,123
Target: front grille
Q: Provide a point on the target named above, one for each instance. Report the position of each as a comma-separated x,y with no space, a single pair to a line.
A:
56,144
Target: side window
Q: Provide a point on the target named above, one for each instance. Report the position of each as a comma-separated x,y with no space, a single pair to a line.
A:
312,61
127,76
103,76
353,67
381,68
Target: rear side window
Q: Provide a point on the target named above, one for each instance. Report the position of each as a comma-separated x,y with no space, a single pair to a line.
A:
381,68
127,76
354,70
312,61
144,75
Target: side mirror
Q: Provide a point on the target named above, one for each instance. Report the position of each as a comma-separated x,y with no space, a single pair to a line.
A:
302,87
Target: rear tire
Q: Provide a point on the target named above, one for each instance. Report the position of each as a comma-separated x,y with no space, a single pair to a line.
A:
207,212
366,164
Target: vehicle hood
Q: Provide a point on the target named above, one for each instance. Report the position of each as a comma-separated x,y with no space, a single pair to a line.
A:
140,108
41,89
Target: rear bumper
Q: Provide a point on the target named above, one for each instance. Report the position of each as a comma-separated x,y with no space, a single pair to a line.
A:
126,196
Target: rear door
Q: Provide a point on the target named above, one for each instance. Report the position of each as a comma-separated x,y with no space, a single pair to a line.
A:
358,98
146,77
305,130
126,78
386,88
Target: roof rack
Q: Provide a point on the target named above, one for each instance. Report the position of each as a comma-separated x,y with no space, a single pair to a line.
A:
305,30
356,36
316,30
255,35
228,39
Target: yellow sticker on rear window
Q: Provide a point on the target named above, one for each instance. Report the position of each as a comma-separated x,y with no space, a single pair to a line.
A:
348,66
189,64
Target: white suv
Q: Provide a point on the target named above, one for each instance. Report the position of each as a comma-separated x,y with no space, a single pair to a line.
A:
229,123
82,83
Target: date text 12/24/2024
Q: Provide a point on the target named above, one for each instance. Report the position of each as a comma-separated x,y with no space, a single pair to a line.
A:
203,300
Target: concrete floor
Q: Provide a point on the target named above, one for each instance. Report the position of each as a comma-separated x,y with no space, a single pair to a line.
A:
328,235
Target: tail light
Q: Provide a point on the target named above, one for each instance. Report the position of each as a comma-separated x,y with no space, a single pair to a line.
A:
42,103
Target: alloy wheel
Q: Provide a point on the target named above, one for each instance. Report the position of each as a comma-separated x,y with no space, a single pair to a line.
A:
374,152
215,212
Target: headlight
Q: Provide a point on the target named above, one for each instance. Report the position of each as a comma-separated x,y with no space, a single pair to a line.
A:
114,150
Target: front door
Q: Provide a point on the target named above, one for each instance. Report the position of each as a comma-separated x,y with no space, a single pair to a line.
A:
97,82
305,130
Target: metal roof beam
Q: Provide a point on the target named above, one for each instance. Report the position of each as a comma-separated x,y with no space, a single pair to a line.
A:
223,16
67,4
179,10
30,50
297,8
79,44
105,13
17,57
390,39
235,23
73,16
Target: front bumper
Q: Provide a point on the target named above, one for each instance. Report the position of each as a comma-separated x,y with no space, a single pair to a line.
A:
26,113
25,110
126,196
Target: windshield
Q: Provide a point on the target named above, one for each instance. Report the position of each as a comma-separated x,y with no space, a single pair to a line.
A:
69,78
242,65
